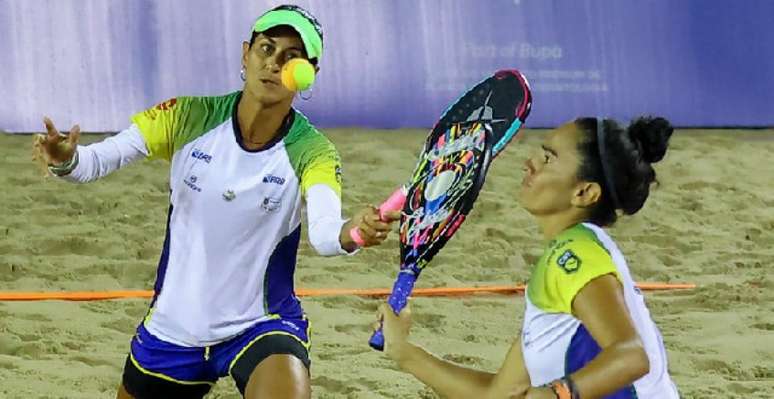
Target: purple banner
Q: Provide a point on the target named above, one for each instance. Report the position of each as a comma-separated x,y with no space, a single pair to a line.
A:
396,63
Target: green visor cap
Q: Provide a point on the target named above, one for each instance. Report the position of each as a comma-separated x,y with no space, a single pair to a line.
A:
309,35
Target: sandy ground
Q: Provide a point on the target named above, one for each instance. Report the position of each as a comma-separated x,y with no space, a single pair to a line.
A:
710,222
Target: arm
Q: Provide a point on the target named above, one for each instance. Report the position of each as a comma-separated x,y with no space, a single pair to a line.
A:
447,379
329,233
66,159
100,159
323,211
601,307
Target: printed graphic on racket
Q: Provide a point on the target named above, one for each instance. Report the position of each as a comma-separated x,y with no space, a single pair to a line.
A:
451,171
502,100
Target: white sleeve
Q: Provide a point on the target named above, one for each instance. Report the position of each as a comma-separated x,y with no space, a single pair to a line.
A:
100,159
323,212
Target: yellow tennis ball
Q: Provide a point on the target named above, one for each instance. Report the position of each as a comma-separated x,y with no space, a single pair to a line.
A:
297,74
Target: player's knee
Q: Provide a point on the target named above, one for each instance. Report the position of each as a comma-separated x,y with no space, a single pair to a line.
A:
279,376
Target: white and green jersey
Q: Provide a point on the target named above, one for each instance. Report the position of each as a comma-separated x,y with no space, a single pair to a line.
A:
234,220
554,342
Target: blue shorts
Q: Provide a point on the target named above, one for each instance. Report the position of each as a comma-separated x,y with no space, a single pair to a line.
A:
153,362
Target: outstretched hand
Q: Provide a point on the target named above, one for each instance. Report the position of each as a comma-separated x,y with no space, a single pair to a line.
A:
54,147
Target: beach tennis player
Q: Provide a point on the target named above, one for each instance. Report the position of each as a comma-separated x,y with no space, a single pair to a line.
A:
587,332
240,166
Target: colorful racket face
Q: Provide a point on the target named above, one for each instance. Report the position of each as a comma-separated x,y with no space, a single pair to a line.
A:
450,172
447,177
502,101
444,187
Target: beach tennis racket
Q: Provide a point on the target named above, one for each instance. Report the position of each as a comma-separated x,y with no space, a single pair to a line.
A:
450,172
506,104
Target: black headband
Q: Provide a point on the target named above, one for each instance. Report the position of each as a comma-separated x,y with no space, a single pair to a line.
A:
603,160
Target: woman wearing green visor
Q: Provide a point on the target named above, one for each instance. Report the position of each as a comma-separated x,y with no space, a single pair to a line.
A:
241,166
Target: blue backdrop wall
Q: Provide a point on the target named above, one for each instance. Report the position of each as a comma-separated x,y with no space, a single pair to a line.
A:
396,63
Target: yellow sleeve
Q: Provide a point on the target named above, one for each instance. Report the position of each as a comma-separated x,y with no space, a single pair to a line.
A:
567,268
315,160
169,126
324,169
158,126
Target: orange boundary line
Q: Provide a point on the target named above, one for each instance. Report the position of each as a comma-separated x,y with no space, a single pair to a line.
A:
310,292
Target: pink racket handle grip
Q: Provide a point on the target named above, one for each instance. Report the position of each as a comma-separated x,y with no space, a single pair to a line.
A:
394,203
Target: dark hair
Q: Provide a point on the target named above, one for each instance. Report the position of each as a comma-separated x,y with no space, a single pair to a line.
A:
621,163
290,7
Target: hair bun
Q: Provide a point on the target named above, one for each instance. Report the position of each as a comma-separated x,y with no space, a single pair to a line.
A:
652,137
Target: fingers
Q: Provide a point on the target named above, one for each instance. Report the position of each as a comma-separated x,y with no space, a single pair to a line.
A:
371,228
375,224
54,136
375,221
50,128
39,139
386,311
366,231
383,308
74,135
380,311
392,216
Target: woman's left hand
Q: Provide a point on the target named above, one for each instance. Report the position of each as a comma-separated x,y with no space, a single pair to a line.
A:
396,329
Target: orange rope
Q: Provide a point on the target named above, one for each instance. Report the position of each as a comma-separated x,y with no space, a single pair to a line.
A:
311,292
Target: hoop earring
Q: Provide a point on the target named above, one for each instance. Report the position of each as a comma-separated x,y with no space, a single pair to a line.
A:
242,74
301,94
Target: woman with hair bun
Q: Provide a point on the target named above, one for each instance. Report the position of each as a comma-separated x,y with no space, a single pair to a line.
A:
587,332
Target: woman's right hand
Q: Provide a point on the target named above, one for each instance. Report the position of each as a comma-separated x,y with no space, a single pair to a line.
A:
57,148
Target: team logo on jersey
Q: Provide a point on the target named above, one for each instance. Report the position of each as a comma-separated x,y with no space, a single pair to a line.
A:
555,246
271,204
273,179
569,262
191,183
167,105
199,154
152,113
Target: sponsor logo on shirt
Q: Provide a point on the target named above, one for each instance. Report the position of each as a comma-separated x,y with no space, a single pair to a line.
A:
152,113
199,154
271,204
167,105
191,183
273,179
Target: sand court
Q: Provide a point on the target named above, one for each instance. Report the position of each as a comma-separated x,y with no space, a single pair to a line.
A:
710,222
